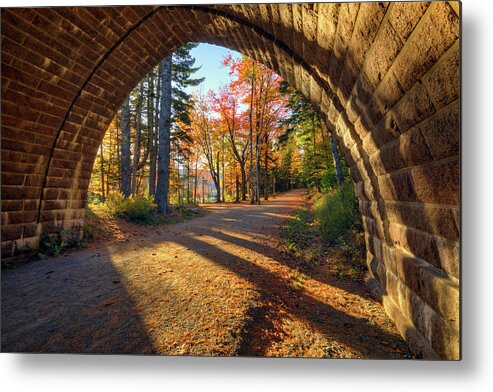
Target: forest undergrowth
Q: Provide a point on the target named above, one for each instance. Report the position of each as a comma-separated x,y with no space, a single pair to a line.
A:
327,230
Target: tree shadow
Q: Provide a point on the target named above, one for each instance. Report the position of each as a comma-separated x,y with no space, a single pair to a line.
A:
224,232
359,333
82,304
71,305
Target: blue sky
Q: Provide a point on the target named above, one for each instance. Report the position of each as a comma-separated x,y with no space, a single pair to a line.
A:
210,58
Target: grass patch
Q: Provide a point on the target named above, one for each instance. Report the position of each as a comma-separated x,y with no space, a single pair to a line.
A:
300,237
336,213
140,210
341,231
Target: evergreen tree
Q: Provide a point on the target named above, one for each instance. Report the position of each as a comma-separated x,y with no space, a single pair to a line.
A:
321,163
163,157
182,70
176,75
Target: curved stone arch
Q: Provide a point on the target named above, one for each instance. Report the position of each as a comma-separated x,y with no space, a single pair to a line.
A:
62,141
385,78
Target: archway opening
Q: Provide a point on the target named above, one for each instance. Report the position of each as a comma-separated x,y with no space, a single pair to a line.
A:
245,139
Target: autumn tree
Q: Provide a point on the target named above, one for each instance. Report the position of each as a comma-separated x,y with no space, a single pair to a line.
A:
227,103
206,133
256,87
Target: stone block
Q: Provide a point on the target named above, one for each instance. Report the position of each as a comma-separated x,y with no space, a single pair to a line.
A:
442,132
408,150
399,187
19,192
385,49
414,107
405,16
7,249
437,184
443,81
388,93
435,220
29,230
12,205
433,36
17,217
418,243
11,232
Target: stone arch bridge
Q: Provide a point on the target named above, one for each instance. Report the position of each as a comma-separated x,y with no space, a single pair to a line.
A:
385,77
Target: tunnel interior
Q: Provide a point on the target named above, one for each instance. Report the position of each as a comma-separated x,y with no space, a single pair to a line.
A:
384,76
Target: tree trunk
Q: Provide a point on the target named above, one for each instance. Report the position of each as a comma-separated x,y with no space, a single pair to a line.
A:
266,173
217,179
195,182
102,171
118,155
252,196
243,181
179,192
150,139
125,148
188,181
224,176
109,166
163,159
337,161
257,169
138,120
237,188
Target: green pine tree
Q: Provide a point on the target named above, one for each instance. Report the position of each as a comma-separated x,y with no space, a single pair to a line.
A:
182,71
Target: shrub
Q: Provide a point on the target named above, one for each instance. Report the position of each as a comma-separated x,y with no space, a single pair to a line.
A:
55,244
94,198
336,212
137,209
115,204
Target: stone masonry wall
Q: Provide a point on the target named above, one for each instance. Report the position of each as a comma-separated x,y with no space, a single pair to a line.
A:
385,77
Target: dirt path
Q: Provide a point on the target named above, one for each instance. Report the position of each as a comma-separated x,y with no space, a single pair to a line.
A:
216,285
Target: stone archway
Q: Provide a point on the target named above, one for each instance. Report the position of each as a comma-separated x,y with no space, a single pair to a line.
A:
385,77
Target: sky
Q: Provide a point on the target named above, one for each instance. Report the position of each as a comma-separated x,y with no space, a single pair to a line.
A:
210,57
